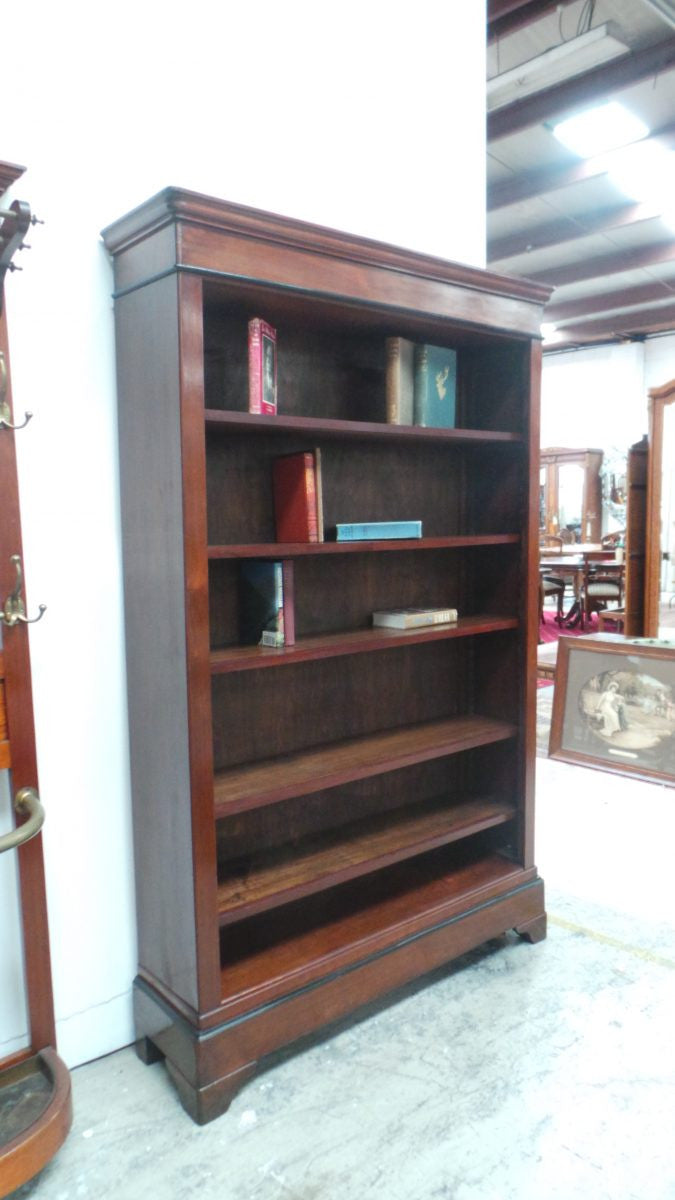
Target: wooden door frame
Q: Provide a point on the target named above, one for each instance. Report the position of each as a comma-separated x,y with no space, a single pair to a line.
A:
659,399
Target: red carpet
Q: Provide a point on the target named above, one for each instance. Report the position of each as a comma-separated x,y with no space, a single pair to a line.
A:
550,631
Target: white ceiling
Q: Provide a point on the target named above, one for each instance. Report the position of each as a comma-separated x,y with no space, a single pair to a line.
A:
586,229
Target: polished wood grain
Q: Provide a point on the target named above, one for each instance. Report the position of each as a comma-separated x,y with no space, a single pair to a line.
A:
21,728
31,1148
298,774
659,399
25,1151
635,551
5,755
297,549
357,641
298,870
154,584
232,422
356,922
200,217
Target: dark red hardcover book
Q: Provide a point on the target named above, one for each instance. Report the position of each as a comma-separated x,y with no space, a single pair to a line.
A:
262,367
296,490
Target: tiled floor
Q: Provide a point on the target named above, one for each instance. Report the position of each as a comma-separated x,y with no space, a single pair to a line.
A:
523,1072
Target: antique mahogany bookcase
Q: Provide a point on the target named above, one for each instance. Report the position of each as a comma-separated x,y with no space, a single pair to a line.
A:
319,823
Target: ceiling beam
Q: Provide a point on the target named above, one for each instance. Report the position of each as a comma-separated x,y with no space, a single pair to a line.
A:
568,229
618,328
507,16
531,184
606,302
582,89
606,264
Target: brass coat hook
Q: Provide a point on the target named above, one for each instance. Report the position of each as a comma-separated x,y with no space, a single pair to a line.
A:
14,611
5,414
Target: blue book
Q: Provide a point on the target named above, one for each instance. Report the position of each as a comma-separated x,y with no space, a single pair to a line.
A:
435,386
375,531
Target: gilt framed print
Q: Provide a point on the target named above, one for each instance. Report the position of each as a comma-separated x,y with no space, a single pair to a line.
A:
614,705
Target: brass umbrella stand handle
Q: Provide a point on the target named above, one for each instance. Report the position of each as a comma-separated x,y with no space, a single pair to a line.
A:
27,804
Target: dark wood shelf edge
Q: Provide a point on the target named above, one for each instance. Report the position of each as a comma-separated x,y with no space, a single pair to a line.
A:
464,820
458,734
295,549
427,909
233,421
358,641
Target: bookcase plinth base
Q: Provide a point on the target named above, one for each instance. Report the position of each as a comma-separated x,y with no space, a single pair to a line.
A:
209,1066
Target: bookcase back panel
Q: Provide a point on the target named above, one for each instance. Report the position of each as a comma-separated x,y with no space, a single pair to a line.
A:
491,385
362,482
323,373
327,701
486,771
331,359
314,926
335,593
498,675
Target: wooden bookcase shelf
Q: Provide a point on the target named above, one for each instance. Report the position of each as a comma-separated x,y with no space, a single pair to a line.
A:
231,422
299,549
275,779
276,878
353,641
308,839
354,925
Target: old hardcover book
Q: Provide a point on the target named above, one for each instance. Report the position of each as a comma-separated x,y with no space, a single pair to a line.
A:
374,531
435,386
296,487
266,614
399,380
262,367
412,618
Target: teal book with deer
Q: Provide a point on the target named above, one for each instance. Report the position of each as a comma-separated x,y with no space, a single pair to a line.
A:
435,386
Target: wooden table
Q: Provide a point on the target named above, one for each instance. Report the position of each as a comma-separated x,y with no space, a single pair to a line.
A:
571,564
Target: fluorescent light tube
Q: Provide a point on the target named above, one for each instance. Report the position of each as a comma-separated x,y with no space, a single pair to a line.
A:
570,58
599,129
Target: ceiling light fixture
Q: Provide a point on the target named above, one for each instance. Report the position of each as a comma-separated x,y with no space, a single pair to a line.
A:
597,130
569,58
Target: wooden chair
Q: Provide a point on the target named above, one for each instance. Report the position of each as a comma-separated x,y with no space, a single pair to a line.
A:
550,541
551,585
602,585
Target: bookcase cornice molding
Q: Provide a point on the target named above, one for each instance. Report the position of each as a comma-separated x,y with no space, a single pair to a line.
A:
174,205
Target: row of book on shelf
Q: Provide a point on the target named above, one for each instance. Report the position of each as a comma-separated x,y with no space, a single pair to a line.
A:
420,379
266,606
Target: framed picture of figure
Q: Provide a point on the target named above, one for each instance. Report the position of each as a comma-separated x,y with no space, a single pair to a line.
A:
614,705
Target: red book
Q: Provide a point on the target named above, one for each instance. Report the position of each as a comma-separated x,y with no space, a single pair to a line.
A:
262,367
296,486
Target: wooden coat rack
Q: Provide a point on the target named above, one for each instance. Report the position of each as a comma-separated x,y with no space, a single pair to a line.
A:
35,1095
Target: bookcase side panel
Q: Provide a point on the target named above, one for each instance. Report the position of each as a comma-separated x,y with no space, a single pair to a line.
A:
530,553
154,584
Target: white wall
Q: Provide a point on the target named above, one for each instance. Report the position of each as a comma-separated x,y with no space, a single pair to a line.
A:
595,397
368,118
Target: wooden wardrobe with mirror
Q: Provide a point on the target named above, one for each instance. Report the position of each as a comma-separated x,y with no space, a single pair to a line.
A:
570,494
